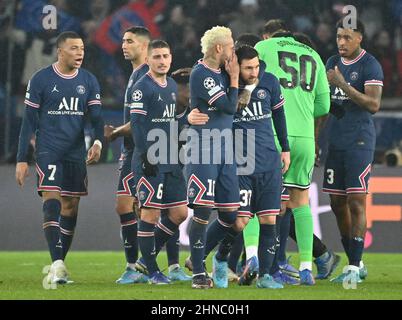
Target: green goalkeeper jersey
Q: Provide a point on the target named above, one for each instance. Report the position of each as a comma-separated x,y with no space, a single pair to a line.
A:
303,79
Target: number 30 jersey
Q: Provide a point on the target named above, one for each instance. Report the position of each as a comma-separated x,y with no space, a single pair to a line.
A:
302,76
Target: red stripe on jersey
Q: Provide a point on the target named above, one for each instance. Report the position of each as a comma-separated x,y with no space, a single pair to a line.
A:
31,104
62,75
355,59
222,93
280,104
139,111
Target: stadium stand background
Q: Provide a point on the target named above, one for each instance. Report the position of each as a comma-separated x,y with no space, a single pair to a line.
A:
25,47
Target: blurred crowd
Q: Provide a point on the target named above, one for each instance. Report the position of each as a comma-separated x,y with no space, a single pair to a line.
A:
181,23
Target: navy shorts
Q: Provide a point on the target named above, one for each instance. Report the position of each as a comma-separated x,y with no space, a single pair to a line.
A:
126,185
347,171
67,177
260,194
166,190
285,194
212,185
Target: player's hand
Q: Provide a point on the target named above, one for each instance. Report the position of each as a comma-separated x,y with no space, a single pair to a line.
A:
182,71
197,118
285,158
94,154
21,172
150,170
335,77
232,68
108,132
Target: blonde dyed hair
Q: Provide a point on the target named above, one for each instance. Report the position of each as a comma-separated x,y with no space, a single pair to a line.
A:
214,36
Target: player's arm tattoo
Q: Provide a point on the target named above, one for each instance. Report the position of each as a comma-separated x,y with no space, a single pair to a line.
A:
370,100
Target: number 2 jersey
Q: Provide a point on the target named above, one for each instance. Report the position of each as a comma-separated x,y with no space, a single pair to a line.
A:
60,106
356,128
303,78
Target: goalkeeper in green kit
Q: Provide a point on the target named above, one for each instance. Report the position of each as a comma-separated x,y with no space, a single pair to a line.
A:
303,79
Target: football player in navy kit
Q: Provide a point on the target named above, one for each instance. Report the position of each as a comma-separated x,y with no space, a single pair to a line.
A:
212,184
159,182
59,100
135,46
356,80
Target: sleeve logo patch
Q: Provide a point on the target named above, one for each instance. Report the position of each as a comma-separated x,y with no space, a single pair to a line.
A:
214,90
137,95
209,83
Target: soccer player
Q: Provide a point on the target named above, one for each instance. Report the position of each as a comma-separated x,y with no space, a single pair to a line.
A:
159,181
176,272
356,80
59,100
260,192
135,46
212,182
301,74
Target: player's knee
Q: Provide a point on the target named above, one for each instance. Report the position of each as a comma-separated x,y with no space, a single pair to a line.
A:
338,205
228,218
150,215
178,215
70,207
123,207
51,209
356,205
240,223
267,219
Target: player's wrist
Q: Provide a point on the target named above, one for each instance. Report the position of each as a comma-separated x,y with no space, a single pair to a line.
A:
98,143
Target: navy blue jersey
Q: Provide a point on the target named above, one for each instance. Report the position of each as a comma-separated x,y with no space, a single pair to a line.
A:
128,143
356,128
63,104
153,107
265,99
209,92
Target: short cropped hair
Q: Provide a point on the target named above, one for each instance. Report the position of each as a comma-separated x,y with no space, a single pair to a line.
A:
157,44
139,31
214,36
246,53
359,26
62,37
248,39
275,25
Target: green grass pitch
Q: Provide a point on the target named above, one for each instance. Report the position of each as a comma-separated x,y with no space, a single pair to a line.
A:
94,275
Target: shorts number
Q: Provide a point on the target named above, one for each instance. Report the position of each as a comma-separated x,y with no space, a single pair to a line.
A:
52,167
245,198
159,194
330,173
211,188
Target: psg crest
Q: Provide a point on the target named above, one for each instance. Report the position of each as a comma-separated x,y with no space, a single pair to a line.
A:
261,94
81,89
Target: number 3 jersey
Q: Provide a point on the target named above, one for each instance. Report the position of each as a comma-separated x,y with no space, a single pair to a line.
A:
63,103
302,75
355,129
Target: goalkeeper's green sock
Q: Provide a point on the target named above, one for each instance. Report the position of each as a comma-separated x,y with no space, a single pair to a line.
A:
251,235
304,235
